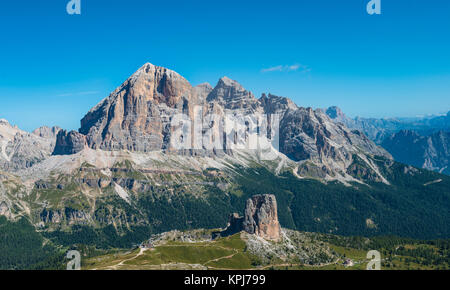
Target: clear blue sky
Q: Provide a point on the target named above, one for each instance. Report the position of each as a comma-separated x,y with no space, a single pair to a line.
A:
54,67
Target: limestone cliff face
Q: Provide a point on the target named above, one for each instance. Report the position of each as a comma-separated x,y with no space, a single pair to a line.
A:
137,115
68,143
260,218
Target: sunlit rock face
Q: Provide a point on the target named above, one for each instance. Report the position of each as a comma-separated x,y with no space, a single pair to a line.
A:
137,115
260,218
68,143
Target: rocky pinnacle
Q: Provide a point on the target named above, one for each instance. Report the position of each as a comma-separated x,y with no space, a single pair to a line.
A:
260,218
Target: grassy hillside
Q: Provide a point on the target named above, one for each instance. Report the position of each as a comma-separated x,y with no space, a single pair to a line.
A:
233,253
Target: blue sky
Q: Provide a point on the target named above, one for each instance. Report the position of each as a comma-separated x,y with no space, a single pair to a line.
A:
54,67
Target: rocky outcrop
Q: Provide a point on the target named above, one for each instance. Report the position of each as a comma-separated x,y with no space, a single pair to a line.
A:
67,215
68,143
260,218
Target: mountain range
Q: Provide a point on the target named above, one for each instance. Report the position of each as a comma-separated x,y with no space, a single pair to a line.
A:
121,177
421,142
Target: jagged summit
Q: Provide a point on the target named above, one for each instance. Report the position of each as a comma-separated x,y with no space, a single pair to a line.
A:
276,104
135,116
227,88
158,84
232,95
226,81
150,83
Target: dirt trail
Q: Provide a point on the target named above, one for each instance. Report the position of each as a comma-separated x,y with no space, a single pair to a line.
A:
141,252
222,258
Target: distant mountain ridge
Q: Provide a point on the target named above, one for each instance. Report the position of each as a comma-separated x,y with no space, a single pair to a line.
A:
20,150
431,152
421,142
378,129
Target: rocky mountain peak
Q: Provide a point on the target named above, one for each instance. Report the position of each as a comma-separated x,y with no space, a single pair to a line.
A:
232,95
335,113
158,84
136,116
275,105
227,82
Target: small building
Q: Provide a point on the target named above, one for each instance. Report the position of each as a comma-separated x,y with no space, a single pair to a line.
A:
349,263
